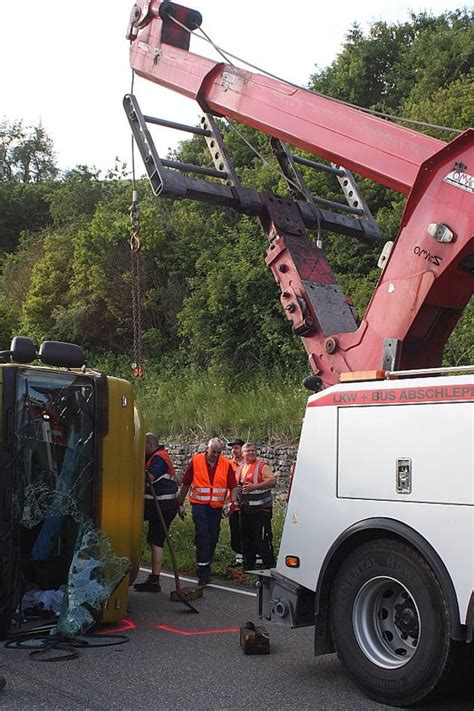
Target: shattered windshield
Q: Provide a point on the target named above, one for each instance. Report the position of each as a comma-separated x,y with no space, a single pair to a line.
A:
56,447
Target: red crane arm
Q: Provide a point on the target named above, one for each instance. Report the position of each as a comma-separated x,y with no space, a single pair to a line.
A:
370,146
427,279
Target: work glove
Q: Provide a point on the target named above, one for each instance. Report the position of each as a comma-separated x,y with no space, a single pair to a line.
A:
181,512
229,508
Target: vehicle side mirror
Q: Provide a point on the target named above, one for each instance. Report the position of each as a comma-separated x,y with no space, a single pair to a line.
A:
313,383
22,350
63,355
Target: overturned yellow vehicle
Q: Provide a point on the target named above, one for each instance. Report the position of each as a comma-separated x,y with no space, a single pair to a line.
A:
71,488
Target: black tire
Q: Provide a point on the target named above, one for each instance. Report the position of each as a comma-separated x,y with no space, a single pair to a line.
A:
390,624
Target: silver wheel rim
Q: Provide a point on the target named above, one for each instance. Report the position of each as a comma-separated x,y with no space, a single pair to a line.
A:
386,622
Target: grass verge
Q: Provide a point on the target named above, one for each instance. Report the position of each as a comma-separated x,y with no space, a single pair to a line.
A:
195,404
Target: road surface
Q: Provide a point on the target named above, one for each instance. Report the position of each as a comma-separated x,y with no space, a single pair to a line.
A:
175,659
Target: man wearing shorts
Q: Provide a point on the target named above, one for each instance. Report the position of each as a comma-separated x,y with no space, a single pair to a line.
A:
163,475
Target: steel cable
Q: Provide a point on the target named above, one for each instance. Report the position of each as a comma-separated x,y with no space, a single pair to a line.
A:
225,54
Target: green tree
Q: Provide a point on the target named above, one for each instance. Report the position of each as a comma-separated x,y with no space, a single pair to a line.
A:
23,207
49,287
460,346
232,317
73,200
395,62
16,274
452,105
207,297
26,153
27,165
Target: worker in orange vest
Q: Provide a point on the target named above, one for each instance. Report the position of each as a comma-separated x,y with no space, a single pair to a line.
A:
160,468
232,513
256,483
207,477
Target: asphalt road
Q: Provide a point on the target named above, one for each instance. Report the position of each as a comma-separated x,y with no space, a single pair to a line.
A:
179,660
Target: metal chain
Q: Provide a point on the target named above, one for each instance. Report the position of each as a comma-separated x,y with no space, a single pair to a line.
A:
135,262
135,266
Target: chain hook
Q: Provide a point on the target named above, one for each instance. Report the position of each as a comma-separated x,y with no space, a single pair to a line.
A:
135,247
135,243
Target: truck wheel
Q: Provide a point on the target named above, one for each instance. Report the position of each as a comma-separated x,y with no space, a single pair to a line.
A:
390,624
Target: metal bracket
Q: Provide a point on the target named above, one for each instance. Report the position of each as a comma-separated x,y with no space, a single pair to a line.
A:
284,214
392,351
169,179
352,192
355,203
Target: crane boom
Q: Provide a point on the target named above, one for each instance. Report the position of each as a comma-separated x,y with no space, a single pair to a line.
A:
374,148
427,277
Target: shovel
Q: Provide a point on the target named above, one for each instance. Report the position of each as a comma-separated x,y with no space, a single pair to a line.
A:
180,594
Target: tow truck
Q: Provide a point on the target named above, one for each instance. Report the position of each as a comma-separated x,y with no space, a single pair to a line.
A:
377,548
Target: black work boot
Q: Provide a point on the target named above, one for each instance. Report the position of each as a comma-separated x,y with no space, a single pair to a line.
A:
151,584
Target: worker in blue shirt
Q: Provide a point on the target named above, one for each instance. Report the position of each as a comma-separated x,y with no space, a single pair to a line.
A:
161,471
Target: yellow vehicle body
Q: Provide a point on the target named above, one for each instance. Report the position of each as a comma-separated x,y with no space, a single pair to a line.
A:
120,505
71,451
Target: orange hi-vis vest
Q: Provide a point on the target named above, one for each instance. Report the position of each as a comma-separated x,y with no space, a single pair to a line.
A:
202,492
164,454
166,483
255,500
235,467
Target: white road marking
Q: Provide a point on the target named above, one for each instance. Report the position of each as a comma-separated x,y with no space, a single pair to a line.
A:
194,580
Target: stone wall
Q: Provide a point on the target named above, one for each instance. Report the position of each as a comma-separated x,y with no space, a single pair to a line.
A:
279,458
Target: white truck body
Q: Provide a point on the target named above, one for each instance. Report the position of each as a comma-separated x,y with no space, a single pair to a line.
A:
346,472
377,550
